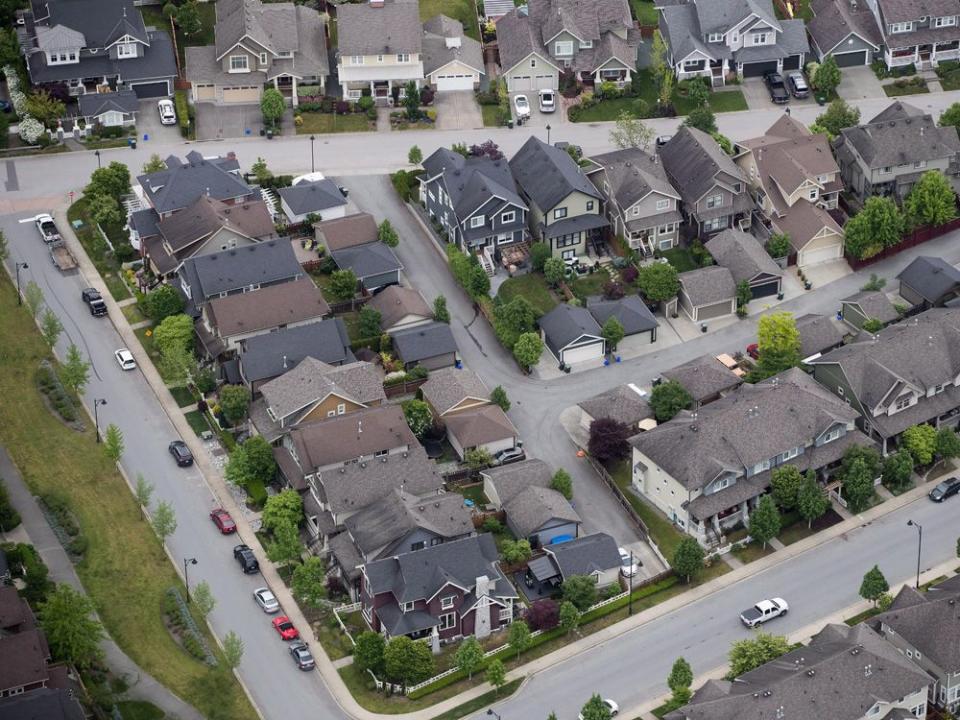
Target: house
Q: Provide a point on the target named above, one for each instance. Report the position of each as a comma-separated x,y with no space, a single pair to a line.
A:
47,703
888,154
818,334
862,675
929,281
183,181
430,345
730,37
474,200
595,41
486,428
451,59
255,44
746,259
375,264
797,182
902,376
502,483
320,197
24,659
564,204
922,33
455,589
15,613
496,9
868,305
541,516
264,357
642,206
315,390
109,109
400,308
624,403
90,45
705,378
707,469
572,335
594,556
845,31
630,311
450,391
708,293
380,44
713,188
346,232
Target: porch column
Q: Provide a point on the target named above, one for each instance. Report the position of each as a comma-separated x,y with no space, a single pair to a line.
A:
715,521
293,98
276,84
745,511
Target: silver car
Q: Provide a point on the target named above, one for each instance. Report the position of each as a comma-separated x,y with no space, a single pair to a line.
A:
548,100
798,84
266,600
521,107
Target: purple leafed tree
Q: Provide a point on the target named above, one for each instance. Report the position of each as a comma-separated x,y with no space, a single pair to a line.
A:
608,440
488,149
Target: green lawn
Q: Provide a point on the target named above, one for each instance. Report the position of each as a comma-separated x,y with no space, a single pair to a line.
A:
98,250
138,710
148,344
198,423
681,258
590,284
463,10
950,80
531,286
908,88
663,532
644,12
478,703
133,313
473,492
153,15
314,122
490,115
183,396
752,551
860,617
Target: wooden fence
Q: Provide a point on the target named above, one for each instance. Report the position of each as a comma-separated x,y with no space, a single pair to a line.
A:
620,497
911,239
460,477
349,306
402,388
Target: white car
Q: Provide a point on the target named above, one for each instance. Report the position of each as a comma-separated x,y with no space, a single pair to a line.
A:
628,564
763,611
611,706
548,101
125,359
266,600
521,107
168,115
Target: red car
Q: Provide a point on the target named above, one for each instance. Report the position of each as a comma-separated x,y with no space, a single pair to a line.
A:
221,518
286,629
753,350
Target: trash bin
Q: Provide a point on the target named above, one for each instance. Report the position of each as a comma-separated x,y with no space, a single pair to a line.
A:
133,143
510,124
821,99
270,134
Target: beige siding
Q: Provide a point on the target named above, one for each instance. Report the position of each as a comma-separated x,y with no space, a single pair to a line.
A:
330,404
658,486
575,204
827,240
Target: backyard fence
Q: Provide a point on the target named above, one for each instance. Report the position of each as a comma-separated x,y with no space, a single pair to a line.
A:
353,607
405,387
348,306
911,239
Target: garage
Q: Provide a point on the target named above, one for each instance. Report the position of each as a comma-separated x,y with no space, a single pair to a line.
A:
520,82
791,63
820,255
249,94
460,81
582,353
152,90
715,310
759,69
765,288
851,59
203,93
542,82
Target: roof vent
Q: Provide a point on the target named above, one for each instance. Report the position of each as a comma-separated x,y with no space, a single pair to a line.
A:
363,464
767,693
811,672
436,504
343,469
422,508
406,454
383,459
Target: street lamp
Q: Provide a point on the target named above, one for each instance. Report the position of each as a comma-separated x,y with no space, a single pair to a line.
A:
491,712
187,562
25,267
97,402
630,597
548,133
919,547
312,166
97,153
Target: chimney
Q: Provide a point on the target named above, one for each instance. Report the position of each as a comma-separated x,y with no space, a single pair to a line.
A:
483,586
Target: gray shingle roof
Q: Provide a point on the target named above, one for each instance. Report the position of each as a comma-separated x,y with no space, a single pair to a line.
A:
94,104
59,37
901,10
532,508
586,555
692,160
834,20
312,380
273,354
893,142
621,403
565,323
99,21
929,621
630,310
228,270
346,437
367,260
396,303
508,480
931,277
873,304
438,51
424,341
47,703
312,196
632,174
818,333
472,182
708,285
479,426
272,26
704,377
183,182
364,29
446,388
742,254
548,174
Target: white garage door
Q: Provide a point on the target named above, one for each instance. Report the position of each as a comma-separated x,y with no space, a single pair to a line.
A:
241,94
455,82
204,92
821,255
520,82
545,81
582,353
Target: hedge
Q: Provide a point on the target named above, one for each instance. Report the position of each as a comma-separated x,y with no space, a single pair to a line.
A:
183,111
406,185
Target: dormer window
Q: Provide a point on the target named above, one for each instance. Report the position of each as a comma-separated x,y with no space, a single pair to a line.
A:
476,221
403,57
239,63
586,44
904,401
813,194
831,435
760,38
61,58
285,53
508,217
715,37
948,21
901,27
127,50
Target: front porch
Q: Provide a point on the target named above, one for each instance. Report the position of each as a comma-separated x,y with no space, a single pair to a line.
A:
923,57
382,91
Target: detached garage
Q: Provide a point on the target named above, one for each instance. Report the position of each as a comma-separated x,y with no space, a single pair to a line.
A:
158,89
708,293
572,335
743,255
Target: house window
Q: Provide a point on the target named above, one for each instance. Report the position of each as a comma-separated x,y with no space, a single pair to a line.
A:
508,217
760,38
887,170
354,94
903,401
920,710
567,240
761,467
589,205
403,57
901,27
692,64
663,204
813,194
738,187
586,44
563,47
379,58
720,484
920,164
238,63
263,58
832,435
73,56
435,541
666,244
636,210
559,213
447,602
948,21
506,614
331,413
341,409
416,546
664,229
127,50
476,221
715,37
356,60
285,53
533,62
714,201
789,454
937,389
448,620
715,224
407,607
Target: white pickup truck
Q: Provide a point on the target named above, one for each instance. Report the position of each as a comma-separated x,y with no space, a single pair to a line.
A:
763,611
47,228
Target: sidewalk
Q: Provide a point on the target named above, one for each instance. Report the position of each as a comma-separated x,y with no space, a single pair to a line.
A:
35,526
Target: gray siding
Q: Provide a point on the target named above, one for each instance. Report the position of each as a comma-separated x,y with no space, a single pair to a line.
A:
374,281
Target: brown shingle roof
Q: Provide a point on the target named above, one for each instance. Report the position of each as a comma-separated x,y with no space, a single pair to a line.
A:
206,215
449,386
347,231
267,308
396,302
351,436
480,426
312,380
23,659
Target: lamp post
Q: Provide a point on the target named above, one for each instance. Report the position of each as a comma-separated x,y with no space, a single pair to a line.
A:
312,166
97,402
630,597
548,133
187,562
919,547
97,153
24,266
494,714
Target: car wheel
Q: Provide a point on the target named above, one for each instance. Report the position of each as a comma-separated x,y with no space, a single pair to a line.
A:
785,611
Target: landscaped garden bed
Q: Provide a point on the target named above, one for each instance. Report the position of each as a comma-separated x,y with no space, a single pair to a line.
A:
915,85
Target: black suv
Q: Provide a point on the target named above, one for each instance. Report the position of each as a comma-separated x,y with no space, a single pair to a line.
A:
181,453
777,88
94,300
950,486
248,561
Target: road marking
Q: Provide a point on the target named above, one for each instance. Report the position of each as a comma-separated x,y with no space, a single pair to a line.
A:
12,183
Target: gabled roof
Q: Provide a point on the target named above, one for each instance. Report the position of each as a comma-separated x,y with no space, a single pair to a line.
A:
873,304
312,196
23,659
205,216
742,254
722,15
367,260
348,231
567,323
424,341
312,380
448,387
444,42
479,426
548,174
267,356
906,10
906,139
472,182
834,20
632,174
585,555
708,285
59,37
692,160
397,302
181,183
818,333
518,38
272,26
509,480
931,277
532,508
14,610
929,621
97,21
897,110
704,377
265,263
94,104
270,307
365,29
622,403
632,313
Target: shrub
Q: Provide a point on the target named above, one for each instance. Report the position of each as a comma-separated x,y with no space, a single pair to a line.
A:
30,130
183,111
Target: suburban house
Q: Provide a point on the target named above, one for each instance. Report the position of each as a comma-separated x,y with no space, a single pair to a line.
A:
431,345
451,59
379,46
929,281
594,556
109,109
868,305
450,391
452,590
596,41
887,155
852,668
818,334
716,38
904,375
844,30
484,428
639,201
375,264
94,46
631,312
922,33
572,335
311,197
624,403
474,200
400,308
712,186
503,482
707,293
796,182
707,469
255,44
224,323
181,182
564,204
746,259
48,703
705,378
315,390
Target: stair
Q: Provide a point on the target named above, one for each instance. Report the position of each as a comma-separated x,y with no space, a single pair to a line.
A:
489,266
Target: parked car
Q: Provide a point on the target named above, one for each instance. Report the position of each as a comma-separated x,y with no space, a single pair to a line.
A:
548,100
798,84
6,106
181,453
753,350
611,706
521,107
301,655
94,301
47,228
949,487
629,565
221,518
285,628
510,455
777,88
125,359
168,115
248,561
266,600
763,611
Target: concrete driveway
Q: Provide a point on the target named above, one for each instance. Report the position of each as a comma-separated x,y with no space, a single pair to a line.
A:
227,121
457,110
149,128
537,118
758,97
859,83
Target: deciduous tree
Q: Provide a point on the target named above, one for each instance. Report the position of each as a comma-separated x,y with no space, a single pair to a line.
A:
33,298
415,155
154,164
702,118
878,225
778,245
608,440
513,319
828,76
687,561
234,402
679,680
161,303
50,327
613,332
778,343
272,105
630,132
553,270
250,462
951,116
751,653
406,661
286,507
543,615
931,201
569,616
440,311
164,521
785,482
309,582
528,349
496,674
562,483
658,282
469,656
539,253
73,634
812,501
516,551
948,443
764,523
874,584
75,373
232,650
921,442
580,590
143,492
368,652
857,485
897,470
418,416
595,709
174,332
667,399
498,396
518,637
286,547
104,210
112,181
369,322
203,598
188,19
45,108
387,234
113,443
343,284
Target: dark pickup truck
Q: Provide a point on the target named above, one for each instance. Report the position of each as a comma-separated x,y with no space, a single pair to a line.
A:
94,301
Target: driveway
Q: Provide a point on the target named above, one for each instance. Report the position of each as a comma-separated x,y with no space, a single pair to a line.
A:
457,110
537,118
859,83
227,121
149,128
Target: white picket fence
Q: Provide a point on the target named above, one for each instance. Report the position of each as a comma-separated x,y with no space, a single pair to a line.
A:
353,607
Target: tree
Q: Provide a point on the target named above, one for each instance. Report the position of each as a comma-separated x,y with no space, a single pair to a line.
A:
743,293
368,652
469,656
286,547
272,105
836,117
418,416
164,521
387,235
874,283
612,332
499,397
872,325
870,457
259,462
33,298
543,615
174,332
878,225
105,210
897,470
827,77
488,148
562,483
951,116
411,101
309,582
496,674
948,443
232,650
143,491
751,653
50,327
874,584
440,312
286,507
658,282
154,164
581,590
234,402
857,485
73,635
608,440
260,171
513,319
188,18
595,709
921,442
764,522
343,284
702,118
778,343
785,484
478,284
539,254
75,373
931,201
679,681
687,561
113,443
697,91
178,366
518,637
162,303
516,551
9,517
554,270
630,132
369,322
527,349
407,661
569,616
203,598
45,108
478,458
812,501
778,245
415,156
662,72
667,399
112,181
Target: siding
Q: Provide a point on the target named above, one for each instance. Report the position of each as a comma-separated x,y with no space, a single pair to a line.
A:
330,405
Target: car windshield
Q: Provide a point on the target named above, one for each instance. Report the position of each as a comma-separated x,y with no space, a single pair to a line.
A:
521,101
944,486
